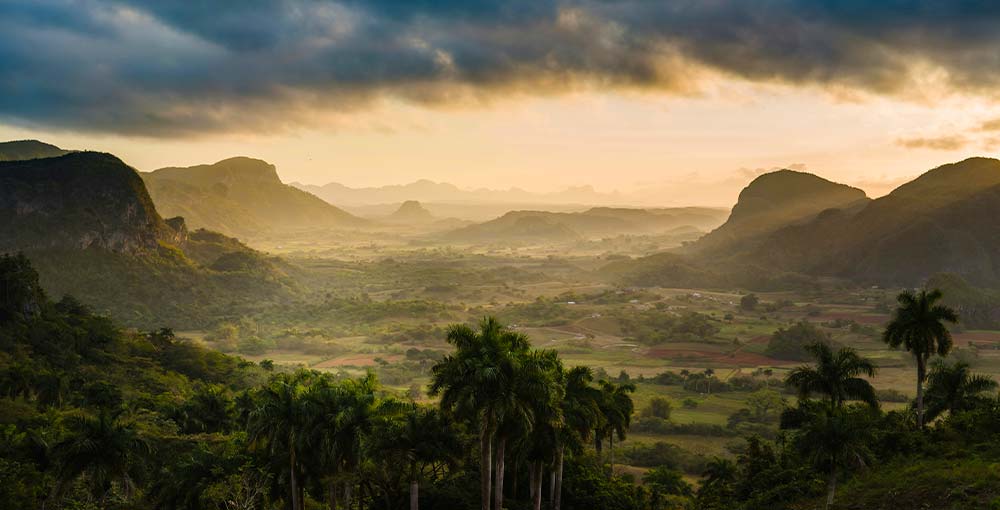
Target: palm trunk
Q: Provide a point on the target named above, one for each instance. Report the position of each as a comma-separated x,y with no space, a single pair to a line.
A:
537,501
557,503
498,486
291,477
56,495
513,479
921,374
831,488
485,463
531,481
552,487
611,452
414,495
331,490
348,488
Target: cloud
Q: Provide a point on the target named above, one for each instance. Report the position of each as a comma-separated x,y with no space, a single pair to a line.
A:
990,125
176,67
941,143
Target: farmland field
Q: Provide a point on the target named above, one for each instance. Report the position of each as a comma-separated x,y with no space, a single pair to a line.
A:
386,308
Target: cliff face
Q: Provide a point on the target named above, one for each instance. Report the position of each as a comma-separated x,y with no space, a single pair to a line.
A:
942,222
776,200
78,201
240,197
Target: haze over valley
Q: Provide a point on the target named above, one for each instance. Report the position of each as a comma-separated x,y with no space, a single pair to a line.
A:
520,255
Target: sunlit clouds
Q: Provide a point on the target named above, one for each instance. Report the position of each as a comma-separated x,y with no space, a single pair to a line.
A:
538,94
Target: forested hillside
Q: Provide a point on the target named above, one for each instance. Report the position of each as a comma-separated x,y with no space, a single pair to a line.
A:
786,234
94,416
93,231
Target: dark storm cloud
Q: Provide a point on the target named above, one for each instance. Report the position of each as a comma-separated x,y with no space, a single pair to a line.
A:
173,67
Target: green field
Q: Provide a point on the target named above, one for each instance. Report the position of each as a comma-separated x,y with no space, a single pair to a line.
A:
385,308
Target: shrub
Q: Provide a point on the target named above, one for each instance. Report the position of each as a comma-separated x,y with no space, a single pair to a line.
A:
659,407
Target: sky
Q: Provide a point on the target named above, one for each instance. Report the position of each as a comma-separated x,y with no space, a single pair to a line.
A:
690,97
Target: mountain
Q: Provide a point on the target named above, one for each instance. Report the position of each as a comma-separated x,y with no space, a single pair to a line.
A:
592,223
28,149
941,222
241,197
411,212
775,200
80,200
429,191
88,224
517,226
465,211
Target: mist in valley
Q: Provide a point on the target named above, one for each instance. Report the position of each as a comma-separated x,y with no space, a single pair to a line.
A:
368,255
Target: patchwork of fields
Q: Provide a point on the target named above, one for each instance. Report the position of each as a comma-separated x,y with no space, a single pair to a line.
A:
389,314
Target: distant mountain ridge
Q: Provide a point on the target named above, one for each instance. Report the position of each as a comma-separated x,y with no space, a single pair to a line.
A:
241,197
594,222
28,149
429,191
944,221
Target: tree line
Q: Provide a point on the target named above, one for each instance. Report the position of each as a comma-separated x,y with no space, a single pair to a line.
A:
96,417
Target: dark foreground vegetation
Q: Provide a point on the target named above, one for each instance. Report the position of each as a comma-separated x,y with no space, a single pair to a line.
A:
95,416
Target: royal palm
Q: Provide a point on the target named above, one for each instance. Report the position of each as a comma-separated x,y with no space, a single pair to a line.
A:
919,326
836,376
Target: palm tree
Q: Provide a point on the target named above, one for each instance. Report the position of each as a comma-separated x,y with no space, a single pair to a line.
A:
834,439
581,415
423,437
953,388
279,421
528,407
106,450
719,471
918,325
17,381
835,375
541,388
717,484
476,381
664,480
209,410
320,433
360,412
616,409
